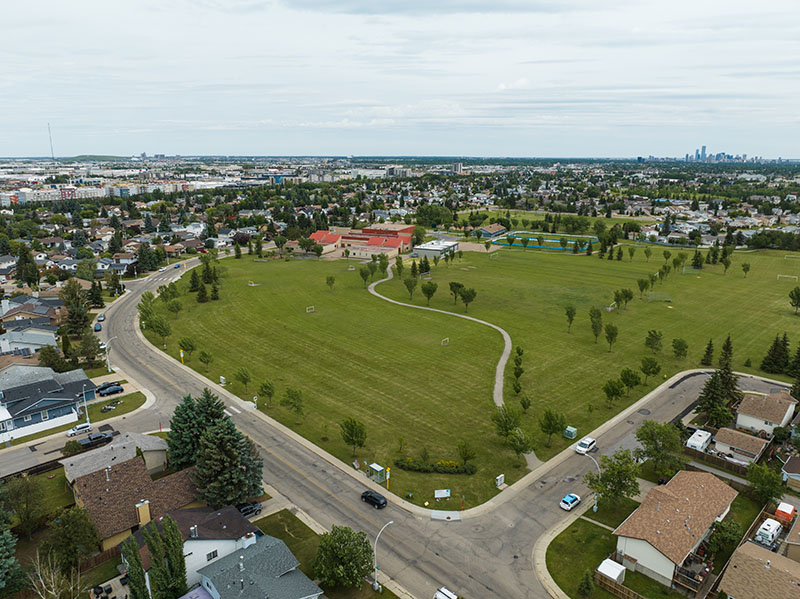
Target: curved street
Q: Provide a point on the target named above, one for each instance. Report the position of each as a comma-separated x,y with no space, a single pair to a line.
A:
488,553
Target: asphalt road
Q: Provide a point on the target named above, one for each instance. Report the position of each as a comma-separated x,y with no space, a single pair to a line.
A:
488,554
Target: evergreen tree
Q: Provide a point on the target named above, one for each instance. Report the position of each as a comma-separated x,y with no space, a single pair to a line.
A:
136,579
712,403
794,367
795,392
729,382
208,276
708,356
10,571
237,251
191,417
194,281
777,358
214,292
586,585
148,224
202,295
228,468
173,549
168,564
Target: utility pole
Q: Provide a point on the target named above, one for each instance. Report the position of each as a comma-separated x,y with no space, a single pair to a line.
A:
375,585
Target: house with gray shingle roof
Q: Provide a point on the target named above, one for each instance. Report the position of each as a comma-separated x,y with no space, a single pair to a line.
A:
121,449
265,568
36,398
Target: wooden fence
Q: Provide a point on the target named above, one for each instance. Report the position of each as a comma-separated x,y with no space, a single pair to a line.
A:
91,562
613,587
715,461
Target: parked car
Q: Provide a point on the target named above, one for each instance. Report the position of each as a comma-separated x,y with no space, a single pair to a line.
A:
177,266
95,440
98,327
569,501
162,269
444,593
79,429
112,390
374,498
249,508
101,317
585,445
106,385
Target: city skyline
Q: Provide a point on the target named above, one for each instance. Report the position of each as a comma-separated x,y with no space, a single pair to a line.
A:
517,79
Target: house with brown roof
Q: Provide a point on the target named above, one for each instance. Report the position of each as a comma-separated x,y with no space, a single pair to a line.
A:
661,538
738,445
759,413
755,572
122,498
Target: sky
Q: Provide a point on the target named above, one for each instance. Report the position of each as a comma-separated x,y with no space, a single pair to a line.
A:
608,78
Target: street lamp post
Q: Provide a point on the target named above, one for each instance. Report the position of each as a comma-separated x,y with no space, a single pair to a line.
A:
85,406
108,343
599,474
375,585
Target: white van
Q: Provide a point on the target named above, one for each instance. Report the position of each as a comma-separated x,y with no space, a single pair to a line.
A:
768,532
445,593
79,429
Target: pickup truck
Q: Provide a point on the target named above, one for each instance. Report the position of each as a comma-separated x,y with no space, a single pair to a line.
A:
95,440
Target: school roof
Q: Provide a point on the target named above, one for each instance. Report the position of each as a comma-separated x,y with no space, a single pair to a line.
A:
674,517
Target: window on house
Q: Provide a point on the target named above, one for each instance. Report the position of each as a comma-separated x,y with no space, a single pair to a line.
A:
26,418
211,555
45,416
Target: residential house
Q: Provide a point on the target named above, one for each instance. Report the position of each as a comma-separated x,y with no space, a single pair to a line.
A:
192,244
661,537
121,449
208,535
740,446
755,572
35,398
218,242
30,340
8,266
226,233
123,497
265,568
27,306
791,473
758,413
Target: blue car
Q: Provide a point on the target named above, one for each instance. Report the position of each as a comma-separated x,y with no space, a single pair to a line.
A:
570,501
98,327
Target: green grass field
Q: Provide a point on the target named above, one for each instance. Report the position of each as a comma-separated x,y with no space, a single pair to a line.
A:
358,356
526,294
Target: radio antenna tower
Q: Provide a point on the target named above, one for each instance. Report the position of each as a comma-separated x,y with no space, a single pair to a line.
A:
50,135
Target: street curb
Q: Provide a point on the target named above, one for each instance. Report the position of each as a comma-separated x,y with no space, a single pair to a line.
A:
539,553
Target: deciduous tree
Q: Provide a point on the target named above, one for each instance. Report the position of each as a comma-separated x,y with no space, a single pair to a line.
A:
613,388
649,367
766,483
618,477
411,285
505,420
596,318
570,312
552,423
654,341
468,295
344,557
611,334
661,444
428,290
680,348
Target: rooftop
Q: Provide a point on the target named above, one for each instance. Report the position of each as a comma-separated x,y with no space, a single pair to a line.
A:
741,441
121,449
757,573
771,408
674,518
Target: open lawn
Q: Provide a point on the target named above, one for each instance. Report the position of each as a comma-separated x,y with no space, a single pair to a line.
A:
130,402
526,293
303,542
611,514
583,546
355,355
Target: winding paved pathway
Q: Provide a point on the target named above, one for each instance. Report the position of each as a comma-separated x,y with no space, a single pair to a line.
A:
499,373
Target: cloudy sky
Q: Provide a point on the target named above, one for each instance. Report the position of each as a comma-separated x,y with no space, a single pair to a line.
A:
413,77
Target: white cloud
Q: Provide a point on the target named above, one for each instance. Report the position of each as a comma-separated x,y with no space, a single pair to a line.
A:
514,77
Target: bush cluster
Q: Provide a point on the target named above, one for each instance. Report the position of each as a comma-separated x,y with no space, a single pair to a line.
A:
442,466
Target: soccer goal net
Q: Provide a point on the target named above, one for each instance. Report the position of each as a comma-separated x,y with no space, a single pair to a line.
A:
792,257
445,341
791,277
309,309
659,296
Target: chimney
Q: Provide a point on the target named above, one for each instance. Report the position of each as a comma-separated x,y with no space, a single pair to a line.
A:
241,563
248,539
241,582
193,531
143,512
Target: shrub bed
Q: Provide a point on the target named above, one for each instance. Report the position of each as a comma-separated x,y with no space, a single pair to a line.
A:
442,466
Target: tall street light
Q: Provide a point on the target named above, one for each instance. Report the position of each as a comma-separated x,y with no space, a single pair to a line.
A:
599,474
375,585
108,343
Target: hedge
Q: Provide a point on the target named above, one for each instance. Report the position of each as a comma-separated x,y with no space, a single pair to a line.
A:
442,466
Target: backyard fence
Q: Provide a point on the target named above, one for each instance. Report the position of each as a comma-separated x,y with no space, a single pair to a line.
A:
99,558
716,461
613,587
